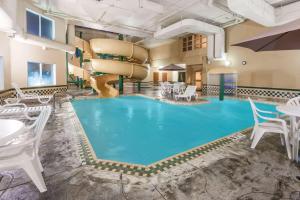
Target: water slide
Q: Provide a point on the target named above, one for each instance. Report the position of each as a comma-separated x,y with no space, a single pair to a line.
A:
113,68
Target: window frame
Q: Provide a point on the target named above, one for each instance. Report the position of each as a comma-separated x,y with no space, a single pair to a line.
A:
193,41
40,24
41,73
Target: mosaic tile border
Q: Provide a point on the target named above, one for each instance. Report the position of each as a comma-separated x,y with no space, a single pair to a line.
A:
275,93
88,156
48,90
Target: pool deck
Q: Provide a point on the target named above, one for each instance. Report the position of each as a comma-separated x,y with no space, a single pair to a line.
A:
233,171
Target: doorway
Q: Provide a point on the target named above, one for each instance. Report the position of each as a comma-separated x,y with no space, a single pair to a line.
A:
155,78
164,77
181,76
1,73
198,80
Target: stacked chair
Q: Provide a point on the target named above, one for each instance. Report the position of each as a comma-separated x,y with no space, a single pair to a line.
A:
22,150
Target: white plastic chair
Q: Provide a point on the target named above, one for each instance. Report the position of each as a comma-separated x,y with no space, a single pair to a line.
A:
43,99
189,92
176,88
271,125
166,88
295,102
162,89
23,151
20,108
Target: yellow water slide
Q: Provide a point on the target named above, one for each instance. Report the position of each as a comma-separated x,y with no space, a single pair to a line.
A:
132,70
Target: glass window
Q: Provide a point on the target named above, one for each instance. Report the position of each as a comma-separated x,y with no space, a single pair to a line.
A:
39,25
48,74
33,74
40,74
46,28
33,23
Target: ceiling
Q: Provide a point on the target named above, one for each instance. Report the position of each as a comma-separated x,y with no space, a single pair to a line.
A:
144,16
279,3
141,18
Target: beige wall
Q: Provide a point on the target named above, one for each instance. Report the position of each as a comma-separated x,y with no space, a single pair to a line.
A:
5,53
172,54
17,54
21,53
165,54
276,69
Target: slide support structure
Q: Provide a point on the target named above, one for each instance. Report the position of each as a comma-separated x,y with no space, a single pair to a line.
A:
67,63
81,61
139,86
121,84
121,78
222,87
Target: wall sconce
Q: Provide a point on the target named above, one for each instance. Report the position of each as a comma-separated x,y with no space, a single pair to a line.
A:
244,62
227,63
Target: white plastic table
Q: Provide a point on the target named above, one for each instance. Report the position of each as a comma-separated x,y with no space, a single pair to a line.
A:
293,112
9,129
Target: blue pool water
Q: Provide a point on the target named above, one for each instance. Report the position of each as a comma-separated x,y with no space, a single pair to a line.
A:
143,131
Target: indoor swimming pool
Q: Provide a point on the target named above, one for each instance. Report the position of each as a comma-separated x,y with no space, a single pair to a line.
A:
139,130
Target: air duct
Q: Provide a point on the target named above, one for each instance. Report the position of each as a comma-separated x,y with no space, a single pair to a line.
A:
215,34
263,13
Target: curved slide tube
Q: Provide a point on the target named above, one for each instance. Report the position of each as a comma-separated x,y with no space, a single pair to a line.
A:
100,84
119,48
113,67
131,70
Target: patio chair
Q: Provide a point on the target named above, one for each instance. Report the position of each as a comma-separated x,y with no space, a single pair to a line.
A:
265,124
20,108
176,88
295,102
165,88
43,99
189,92
22,152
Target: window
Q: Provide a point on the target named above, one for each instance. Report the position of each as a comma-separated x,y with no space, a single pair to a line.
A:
40,74
194,41
39,25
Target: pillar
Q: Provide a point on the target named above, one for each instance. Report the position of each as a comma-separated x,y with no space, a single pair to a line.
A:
222,87
139,86
121,78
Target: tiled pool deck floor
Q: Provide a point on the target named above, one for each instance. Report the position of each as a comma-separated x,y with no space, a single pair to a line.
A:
232,171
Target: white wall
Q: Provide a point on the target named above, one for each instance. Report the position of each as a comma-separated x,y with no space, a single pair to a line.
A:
5,54
16,54
1,73
22,53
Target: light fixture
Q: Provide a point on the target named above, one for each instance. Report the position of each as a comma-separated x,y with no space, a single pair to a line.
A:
227,63
244,62
44,48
